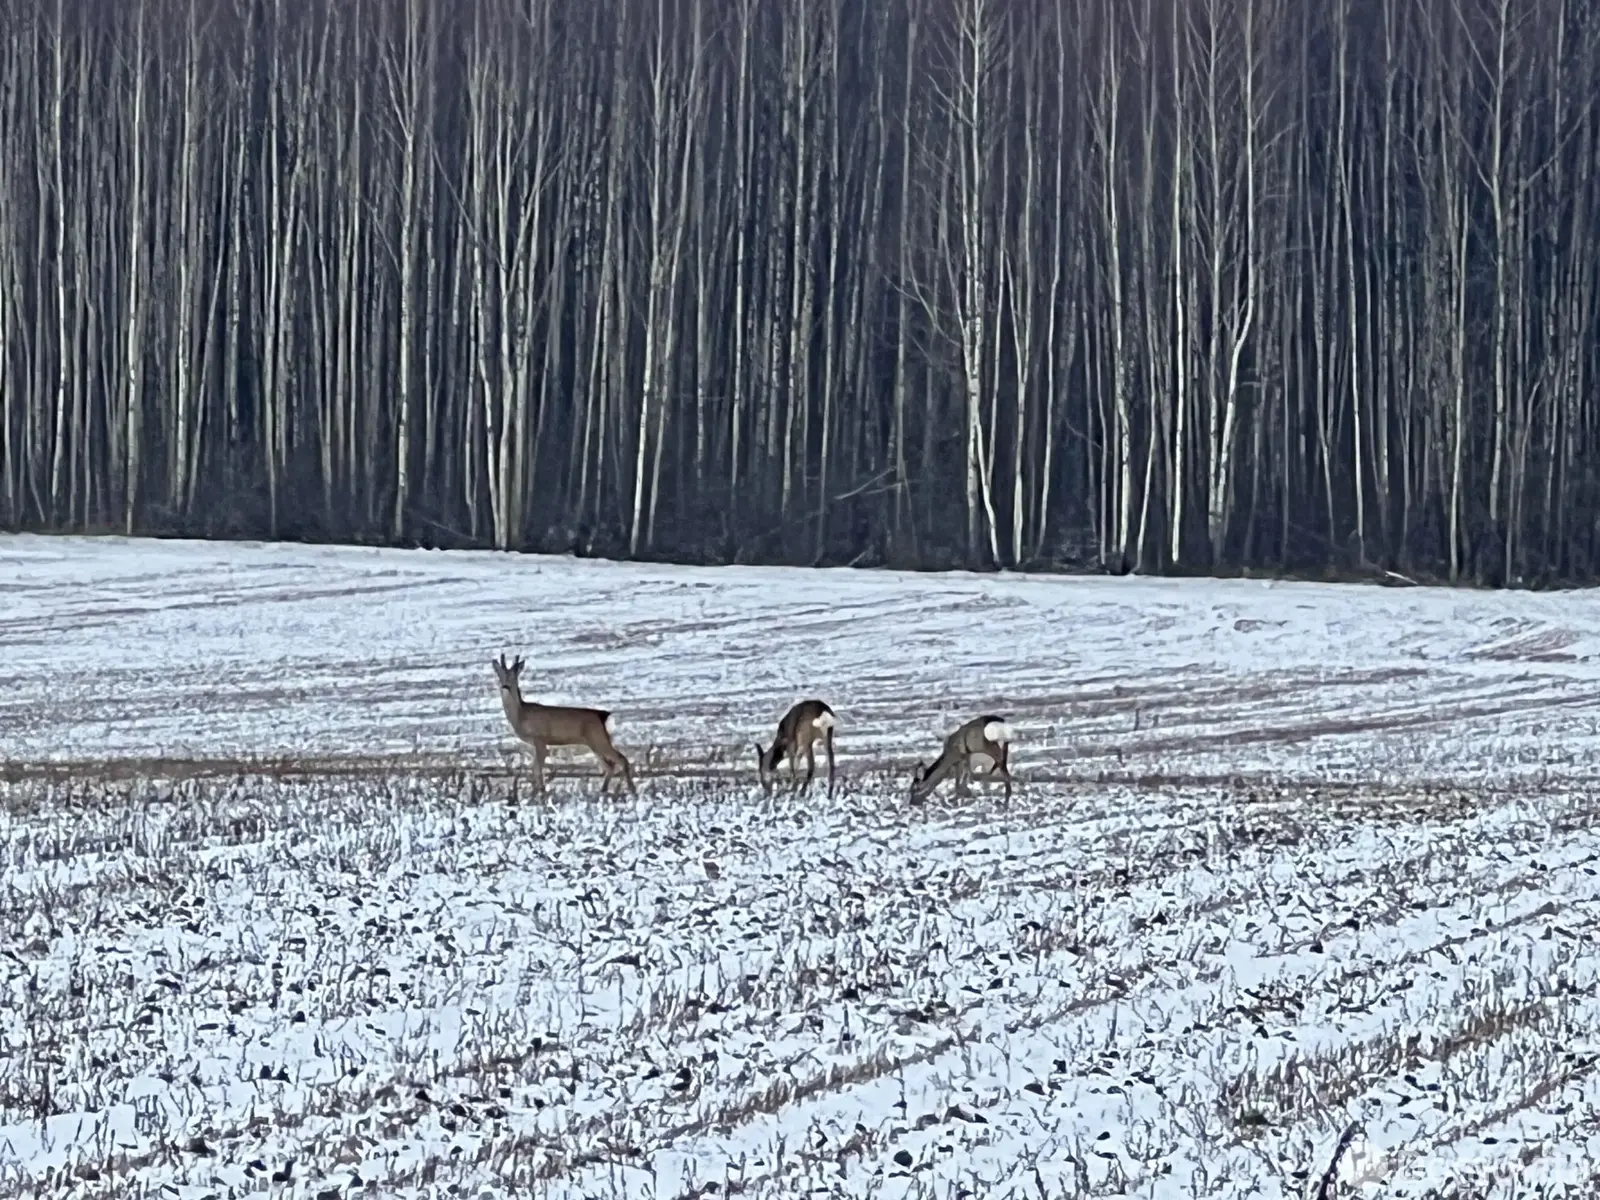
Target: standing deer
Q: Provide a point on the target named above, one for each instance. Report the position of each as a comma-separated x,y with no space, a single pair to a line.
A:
797,734
546,725
989,736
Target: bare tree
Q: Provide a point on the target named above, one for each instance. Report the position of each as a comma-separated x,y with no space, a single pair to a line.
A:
1233,282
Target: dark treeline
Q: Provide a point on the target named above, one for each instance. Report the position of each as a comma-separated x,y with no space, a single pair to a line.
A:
1144,284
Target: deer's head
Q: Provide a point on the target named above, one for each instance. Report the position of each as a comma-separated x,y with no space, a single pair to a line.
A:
920,786
507,673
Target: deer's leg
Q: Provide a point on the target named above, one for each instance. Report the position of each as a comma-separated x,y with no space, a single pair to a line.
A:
828,745
997,754
538,766
811,763
604,760
963,775
626,770
610,759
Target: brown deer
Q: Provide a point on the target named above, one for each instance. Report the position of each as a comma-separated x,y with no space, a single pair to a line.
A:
989,736
797,734
546,725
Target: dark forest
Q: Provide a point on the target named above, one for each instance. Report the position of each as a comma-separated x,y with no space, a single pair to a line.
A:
1152,285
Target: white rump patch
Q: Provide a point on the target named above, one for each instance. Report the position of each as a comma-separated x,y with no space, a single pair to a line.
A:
997,731
826,721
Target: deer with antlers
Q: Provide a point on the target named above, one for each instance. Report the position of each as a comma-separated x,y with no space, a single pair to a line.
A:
989,736
544,725
797,734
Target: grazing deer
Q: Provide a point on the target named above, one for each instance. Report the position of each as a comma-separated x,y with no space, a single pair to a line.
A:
989,736
797,734
546,725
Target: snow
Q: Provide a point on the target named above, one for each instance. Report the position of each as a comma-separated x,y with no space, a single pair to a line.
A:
282,916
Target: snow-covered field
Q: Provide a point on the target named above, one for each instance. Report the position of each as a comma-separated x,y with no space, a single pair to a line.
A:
279,920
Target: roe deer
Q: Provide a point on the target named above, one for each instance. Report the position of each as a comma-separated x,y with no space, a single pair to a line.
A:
989,736
797,733
546,725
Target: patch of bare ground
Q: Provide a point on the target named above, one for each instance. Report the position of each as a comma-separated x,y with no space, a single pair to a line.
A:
1518,702
1115,694
1061,791
1530,642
